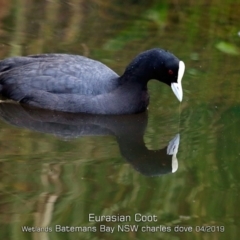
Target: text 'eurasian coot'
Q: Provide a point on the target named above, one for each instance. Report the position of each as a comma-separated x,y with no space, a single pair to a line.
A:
72,83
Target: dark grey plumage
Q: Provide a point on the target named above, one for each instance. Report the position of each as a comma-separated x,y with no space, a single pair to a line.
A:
72,83
58,73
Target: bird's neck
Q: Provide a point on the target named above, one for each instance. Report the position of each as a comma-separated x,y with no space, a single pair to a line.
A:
139,71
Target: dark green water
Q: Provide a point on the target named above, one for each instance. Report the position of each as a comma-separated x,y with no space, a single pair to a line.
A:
53,175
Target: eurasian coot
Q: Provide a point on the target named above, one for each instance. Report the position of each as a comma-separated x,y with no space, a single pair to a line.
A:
72,83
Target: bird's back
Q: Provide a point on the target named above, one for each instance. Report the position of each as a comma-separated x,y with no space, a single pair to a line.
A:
57,73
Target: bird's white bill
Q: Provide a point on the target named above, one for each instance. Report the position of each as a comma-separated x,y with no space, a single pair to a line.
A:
181,69
177,89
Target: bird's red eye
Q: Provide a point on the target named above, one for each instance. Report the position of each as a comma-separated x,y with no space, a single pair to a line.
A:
170,72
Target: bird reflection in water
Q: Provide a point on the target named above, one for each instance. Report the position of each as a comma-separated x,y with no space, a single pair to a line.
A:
128,130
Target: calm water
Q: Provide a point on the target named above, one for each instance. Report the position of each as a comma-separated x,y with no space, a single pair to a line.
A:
56,168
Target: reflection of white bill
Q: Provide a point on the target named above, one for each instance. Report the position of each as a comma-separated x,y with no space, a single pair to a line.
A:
172,149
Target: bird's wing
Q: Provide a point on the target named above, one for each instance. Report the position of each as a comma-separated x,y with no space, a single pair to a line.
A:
58,73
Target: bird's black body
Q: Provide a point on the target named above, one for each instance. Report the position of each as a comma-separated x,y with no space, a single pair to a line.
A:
72,83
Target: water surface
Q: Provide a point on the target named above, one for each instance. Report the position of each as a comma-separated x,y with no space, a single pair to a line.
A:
56,169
